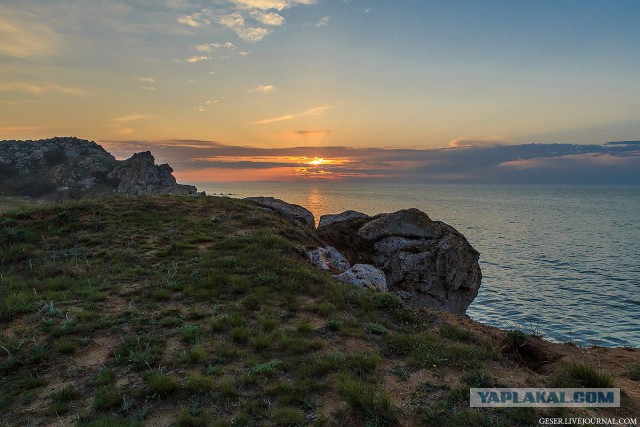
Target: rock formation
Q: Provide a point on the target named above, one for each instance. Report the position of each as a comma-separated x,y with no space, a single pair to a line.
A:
326,220
428,262
328,259
139,175
294,213
72,167
365,276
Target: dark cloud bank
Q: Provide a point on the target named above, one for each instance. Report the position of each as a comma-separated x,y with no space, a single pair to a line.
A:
468,162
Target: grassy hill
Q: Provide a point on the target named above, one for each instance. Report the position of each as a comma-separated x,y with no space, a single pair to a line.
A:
204,311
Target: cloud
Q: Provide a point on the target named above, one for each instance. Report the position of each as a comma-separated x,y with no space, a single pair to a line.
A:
250,20
210,47
269,18
266,89
315,111
23,36
197,20
468,143
41,88
197,58
525,163
132,118
306,134
323,22
146,79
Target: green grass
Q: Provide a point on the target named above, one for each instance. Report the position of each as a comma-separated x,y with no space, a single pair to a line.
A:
578,374
368,400
634,372
288,417
107,397
161,384
216,322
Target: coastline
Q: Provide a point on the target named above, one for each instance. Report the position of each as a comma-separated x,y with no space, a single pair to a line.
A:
374,342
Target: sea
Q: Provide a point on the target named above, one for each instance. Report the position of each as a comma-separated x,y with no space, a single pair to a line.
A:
559,261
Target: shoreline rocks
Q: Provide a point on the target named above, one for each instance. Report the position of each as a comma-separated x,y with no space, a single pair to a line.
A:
426,262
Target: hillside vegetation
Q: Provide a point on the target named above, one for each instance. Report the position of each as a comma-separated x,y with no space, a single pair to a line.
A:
204,311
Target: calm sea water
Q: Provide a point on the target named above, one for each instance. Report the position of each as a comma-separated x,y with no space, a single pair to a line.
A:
561,261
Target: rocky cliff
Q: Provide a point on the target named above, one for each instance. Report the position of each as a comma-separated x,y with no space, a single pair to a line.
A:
71,167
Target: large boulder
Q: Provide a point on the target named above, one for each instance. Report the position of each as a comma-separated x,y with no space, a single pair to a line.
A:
294,213
426,261
365,276
329,219
139,175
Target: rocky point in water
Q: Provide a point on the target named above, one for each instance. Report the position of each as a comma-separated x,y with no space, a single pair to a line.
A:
71,167
426,262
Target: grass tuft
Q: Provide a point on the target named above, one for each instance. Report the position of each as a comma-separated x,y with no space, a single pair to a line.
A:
577,374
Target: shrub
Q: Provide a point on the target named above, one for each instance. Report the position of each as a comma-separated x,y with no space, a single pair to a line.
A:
577,374
370,400
456,333
62,399
36,186
161,384
515,342
634,372
240,334
270,368
55,156
107,397
198,383
66,346
375,328
477,378
288,417
190,333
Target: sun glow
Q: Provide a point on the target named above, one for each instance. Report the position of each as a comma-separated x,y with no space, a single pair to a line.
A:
319,161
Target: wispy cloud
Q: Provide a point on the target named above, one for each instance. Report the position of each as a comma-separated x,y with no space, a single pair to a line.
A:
41,88
197,58
315,111
146,79
211,47
323,22
23,36
266,89
132,118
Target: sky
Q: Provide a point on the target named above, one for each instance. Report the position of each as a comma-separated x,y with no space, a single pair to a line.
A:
353,88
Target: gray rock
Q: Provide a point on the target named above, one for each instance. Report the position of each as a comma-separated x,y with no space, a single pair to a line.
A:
139,176
365,276
295,213
329,219
427,260
411,223
328,259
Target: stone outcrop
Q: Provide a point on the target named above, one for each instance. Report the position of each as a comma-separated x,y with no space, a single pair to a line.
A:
329,219
328,259
365,276
428,262
71,167
294,213
139,175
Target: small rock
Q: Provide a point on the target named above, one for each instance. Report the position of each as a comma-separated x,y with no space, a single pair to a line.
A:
328,259
365,276
326,220
294,213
